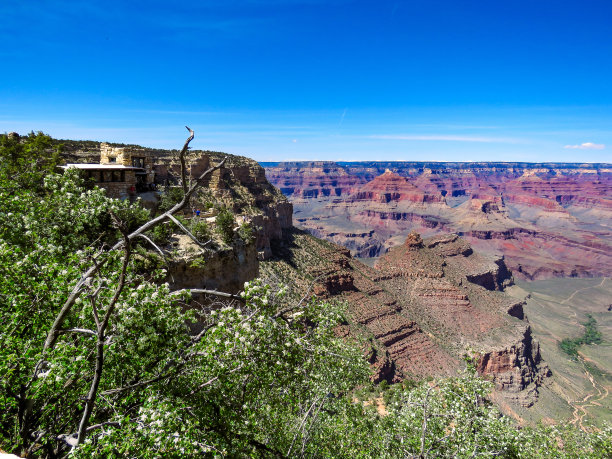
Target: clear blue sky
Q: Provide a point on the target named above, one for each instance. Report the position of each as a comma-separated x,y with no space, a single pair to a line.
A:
524,80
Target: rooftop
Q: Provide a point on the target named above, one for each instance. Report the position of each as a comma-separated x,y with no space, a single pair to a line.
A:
102,166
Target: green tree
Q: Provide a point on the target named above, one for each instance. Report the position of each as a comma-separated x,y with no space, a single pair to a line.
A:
24,161
225,225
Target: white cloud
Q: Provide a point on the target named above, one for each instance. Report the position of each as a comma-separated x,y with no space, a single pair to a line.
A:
586,146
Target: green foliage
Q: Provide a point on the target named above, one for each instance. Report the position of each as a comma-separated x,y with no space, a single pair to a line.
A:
201,230
161,233
246,233
170,196
591,336
146,261
570,346
198,263
25,161
225,225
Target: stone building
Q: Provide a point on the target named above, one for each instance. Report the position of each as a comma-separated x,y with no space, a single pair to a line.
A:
122,171
129,157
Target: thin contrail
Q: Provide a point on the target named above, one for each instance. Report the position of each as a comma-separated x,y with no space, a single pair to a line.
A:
342,117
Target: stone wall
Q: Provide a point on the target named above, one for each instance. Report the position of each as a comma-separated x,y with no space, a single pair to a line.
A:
114,188
123,156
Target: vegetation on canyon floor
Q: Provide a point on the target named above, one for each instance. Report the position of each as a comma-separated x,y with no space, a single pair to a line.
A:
121,374
591,336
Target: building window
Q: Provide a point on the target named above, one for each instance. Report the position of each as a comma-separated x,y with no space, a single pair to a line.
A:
138,162
112,159
118,176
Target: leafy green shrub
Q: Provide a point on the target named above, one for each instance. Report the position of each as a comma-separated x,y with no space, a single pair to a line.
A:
200,230
570,346
146,261
162,232
591,336
25,161
225,225
170,197
246,233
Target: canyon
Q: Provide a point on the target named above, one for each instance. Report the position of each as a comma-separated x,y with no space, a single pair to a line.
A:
547,220
427,303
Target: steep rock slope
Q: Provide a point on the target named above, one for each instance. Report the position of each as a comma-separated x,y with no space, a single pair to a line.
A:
423,307
549,220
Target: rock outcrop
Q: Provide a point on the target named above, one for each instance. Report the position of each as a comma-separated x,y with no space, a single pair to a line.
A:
423,307
240,185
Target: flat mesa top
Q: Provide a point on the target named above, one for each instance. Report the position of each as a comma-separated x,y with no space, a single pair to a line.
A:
102,166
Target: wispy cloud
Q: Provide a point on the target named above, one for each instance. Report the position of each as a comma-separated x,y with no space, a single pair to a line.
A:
586,146
450,138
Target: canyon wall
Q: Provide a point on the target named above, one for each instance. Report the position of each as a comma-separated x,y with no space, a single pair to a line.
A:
547,220
424,307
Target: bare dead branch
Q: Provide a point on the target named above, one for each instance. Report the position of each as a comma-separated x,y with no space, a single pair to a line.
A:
102,424
148,239
182,159
210,292
77,330
187,232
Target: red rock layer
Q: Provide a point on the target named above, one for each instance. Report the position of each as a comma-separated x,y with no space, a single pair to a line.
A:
393,187
313,179
548,220
420,310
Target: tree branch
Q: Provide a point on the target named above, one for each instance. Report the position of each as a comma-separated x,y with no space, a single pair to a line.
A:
146,238
188,233
211,292
77,330
92,395
182,159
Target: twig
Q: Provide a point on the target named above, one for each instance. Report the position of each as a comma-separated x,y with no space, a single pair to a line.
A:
77,330
210,292
188,233
210,381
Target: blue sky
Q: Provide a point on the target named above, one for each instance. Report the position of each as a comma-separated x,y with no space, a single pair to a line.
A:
446,80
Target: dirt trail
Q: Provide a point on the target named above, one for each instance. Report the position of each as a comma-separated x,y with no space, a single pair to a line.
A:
580,407
582,289
599,391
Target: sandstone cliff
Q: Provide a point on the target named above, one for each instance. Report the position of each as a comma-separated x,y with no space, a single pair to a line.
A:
240,185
